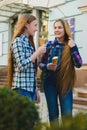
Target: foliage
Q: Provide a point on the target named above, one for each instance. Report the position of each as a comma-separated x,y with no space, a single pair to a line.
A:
16,111
78,122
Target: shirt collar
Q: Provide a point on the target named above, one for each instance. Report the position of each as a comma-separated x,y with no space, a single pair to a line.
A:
24,37
56,42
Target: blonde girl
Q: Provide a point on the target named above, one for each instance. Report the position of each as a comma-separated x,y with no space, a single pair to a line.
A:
22,57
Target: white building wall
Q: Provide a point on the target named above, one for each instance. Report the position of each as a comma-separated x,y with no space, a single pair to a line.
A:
83,37
36,14
70,10
64,10
4,30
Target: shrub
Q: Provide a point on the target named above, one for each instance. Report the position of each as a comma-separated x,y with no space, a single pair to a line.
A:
16,111
78,122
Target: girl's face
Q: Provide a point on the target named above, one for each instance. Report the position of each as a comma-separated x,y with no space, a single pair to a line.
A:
32,28
59,30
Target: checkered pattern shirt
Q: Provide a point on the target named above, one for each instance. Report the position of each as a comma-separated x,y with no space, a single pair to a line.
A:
54,48
24,74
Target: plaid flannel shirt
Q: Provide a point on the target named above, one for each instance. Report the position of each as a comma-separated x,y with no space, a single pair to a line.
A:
24,74
56,50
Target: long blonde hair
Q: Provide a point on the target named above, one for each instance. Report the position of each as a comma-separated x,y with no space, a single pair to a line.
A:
19,29
66,75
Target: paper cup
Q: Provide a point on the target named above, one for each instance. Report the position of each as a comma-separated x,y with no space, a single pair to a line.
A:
55,59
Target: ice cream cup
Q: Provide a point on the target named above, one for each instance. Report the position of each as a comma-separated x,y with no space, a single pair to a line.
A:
55,59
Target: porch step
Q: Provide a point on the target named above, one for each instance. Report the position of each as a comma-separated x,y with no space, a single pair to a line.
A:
80,107
80,101
81,92
80,98
3,76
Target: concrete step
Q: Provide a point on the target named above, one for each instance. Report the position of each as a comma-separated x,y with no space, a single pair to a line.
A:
3,69
3,75
80,107
3,83
3,78
80,101
81,92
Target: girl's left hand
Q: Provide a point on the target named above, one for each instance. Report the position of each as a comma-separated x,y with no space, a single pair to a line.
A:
71,43
51,66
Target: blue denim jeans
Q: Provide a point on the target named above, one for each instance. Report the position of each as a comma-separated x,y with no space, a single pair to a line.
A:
30,95
52,96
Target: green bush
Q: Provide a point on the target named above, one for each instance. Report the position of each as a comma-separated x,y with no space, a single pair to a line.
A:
78,122
16,111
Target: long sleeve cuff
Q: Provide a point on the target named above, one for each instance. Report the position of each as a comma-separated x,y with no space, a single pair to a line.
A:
73,49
